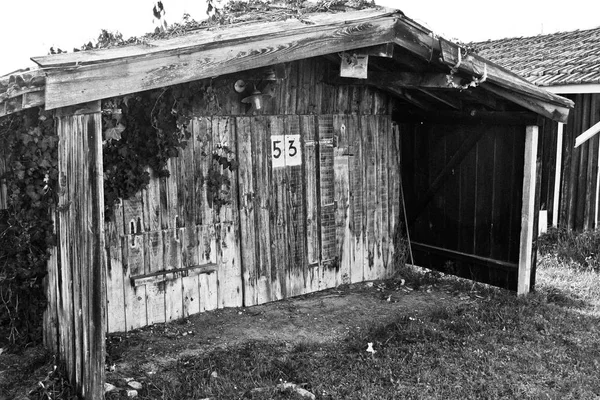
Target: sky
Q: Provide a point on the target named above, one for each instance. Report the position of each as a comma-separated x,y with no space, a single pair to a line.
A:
30,28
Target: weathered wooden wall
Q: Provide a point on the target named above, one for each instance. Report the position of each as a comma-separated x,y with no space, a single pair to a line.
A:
171,226
74,321
3,188
326,220
472,207
579,166
329,220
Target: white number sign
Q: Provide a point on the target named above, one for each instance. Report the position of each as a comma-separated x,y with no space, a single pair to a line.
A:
286,150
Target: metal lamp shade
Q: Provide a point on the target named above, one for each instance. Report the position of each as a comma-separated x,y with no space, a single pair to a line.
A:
256,99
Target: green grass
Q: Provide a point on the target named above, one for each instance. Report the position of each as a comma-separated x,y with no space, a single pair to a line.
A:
544,346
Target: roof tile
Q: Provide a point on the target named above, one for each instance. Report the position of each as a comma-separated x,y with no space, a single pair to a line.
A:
561,58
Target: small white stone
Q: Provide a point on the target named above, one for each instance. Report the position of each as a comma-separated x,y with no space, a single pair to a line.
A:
109,387
135,385
132,393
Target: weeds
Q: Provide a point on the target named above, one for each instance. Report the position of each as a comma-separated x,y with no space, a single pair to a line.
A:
582,248
496,346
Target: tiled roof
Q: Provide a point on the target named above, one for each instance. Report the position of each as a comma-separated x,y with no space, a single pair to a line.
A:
563,58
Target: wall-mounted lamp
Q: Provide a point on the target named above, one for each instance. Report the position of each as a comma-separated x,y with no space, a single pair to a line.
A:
256,99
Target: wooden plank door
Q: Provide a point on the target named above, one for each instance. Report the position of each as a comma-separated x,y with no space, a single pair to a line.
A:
294,205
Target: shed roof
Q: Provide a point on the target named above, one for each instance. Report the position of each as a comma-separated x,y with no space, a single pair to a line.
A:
423,65
563,58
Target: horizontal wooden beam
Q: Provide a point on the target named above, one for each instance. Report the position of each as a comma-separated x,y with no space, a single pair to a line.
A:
164,275
474,117
481,269
86,83
458,255
385,50
403,79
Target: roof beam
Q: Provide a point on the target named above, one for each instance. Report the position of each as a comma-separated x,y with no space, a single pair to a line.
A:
93,82
413,80
424,44
544,108
476,65
474,117
447,100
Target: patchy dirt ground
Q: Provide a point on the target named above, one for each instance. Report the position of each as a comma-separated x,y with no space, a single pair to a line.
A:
321,317
325,316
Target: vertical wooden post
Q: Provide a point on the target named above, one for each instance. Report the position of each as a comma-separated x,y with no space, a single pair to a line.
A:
81,293
528,210
597,198
557,174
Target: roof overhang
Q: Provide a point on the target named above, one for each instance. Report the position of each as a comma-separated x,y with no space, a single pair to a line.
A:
81,77
574,88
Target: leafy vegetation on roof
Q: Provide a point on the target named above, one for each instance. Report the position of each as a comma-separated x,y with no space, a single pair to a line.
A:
231,13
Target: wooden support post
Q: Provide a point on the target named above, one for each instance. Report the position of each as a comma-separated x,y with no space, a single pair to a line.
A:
557,174
80,220
597,203
528,210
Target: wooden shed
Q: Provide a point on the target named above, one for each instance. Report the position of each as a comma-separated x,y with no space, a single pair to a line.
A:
371,124
565,63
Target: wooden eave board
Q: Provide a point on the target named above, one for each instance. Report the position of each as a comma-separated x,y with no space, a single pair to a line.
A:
220,36
92,75
27,93
553,106
72,86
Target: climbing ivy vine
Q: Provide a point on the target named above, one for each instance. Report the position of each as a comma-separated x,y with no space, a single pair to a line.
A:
141,132
28,145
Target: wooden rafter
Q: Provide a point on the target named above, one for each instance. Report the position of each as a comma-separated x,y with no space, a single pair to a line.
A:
553,111
447,100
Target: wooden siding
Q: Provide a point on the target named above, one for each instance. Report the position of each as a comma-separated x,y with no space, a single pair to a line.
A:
579,172
75,320
171,228
297,229
325,221
463,186
3,187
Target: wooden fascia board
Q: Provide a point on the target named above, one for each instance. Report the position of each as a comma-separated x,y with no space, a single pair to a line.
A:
476,65
219,36
574,88
544,108
22,101
430,48
86,83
